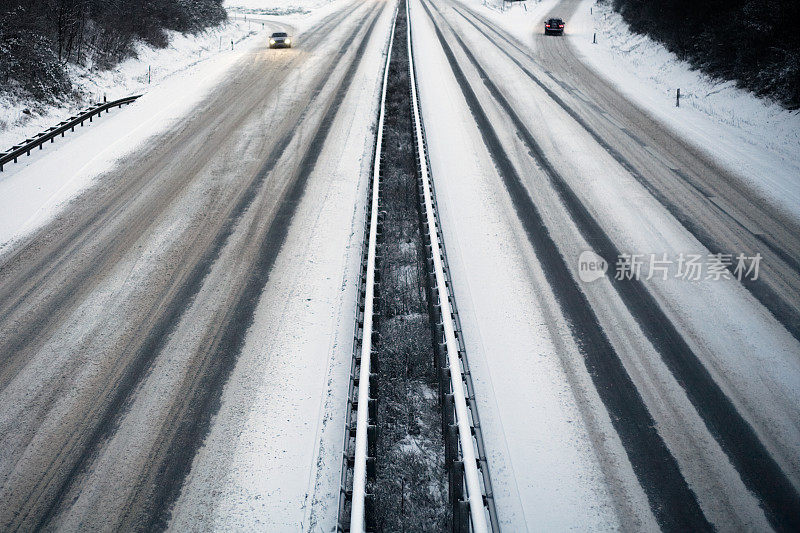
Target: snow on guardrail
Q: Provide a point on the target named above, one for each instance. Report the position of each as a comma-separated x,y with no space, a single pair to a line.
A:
470,487
13,153
360,394
453,368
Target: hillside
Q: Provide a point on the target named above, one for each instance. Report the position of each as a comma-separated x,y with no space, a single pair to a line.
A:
753,42
39,40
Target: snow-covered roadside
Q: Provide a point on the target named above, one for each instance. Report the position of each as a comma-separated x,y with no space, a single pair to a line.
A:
300,14
33,190
274,7
753,137
149,69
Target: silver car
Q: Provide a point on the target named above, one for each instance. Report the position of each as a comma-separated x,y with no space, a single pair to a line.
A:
280,40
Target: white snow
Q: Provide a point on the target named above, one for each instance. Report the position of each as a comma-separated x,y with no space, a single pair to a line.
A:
275,7
272,459
747,351
754,138
33,191
128,78
276,464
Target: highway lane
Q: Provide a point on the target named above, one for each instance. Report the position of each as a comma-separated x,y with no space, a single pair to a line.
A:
123,319
735,434
727,437
715,205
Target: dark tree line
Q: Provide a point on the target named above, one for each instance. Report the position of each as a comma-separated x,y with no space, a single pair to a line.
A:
754,42
38,38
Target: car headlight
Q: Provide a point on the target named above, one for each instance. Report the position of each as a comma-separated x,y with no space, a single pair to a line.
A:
288,41
272,41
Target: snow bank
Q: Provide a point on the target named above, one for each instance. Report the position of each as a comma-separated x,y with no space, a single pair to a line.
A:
21,118
275,7
752,137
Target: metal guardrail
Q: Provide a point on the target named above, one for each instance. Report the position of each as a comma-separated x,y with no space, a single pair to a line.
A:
360,437
471,494
16,151
471,497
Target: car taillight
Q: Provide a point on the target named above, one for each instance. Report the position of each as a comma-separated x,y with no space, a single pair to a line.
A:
547,25
560,25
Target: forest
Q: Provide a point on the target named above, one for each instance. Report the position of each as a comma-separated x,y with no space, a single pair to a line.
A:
40,38
755,43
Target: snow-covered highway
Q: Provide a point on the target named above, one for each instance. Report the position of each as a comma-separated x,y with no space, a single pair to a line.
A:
176,339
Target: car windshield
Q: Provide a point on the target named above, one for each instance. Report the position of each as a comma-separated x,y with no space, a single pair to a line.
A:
280,35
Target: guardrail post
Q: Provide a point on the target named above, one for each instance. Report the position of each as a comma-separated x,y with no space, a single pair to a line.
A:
456,472
369,512
461,512
451,442
373,408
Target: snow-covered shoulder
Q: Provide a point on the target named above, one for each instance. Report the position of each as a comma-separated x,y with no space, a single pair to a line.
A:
21,118
301,14
752,137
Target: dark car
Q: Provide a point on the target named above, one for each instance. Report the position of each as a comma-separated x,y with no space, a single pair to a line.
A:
553,26
280,40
